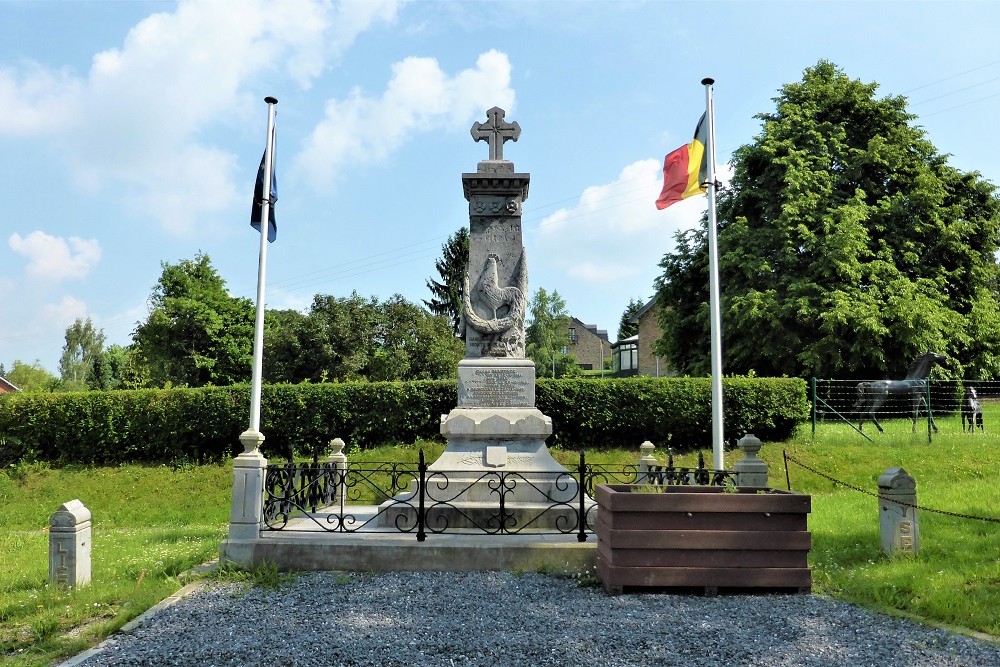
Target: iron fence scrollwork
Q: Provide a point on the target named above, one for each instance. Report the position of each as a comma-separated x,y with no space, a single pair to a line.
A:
403,497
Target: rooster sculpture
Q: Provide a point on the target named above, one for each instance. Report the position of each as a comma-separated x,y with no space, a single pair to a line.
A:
490,295
489,286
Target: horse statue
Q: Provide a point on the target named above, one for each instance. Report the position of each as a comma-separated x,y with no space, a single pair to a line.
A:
972,411
871,395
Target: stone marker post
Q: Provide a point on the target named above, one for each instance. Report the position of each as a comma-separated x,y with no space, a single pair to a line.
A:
898,512
69,545
750,470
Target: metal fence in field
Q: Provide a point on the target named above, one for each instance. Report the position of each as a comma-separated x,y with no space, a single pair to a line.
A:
865,405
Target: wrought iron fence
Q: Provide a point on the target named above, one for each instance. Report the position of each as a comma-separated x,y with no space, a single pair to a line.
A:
412,498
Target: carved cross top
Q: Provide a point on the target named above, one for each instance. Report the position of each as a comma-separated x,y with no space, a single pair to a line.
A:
496,132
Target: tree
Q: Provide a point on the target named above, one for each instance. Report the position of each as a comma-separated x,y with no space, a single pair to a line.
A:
83,344
452,267
32,377
196,333
118,367
354,338
547,336
627,329
847,247
411,344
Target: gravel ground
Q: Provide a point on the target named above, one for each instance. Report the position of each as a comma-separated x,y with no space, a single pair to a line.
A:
499,618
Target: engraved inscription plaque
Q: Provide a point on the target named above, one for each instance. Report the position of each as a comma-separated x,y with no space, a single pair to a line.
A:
496,387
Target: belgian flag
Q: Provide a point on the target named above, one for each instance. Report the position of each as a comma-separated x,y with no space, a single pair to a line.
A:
685,170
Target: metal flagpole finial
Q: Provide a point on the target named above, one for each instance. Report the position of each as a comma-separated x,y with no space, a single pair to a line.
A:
274,100
707,81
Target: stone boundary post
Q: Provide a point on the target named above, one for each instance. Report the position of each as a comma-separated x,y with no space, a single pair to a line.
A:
69,545
898,512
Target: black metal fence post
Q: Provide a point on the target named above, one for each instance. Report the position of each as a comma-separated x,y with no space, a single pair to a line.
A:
930,418
422,469
814,405
582,536
788,480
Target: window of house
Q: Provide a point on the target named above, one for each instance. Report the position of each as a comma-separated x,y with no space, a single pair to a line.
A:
626,357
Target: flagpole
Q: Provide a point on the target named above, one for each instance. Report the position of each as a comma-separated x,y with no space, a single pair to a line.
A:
265,213
713,286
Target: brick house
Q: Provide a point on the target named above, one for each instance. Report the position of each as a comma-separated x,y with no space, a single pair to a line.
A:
6,387
634,355
588,344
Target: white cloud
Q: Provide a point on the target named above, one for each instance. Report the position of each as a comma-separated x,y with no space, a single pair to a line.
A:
136,118
36,99
606,248
64,313
420,96
282,299
614,233
55,258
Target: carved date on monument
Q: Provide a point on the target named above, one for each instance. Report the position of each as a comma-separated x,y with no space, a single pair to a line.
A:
495,387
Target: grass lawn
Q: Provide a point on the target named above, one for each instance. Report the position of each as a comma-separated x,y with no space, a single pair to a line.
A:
153,523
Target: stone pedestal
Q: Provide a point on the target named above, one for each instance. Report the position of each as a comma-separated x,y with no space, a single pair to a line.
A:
246,517
69,545
898,512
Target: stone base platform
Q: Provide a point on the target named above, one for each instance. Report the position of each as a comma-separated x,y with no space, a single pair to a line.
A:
381,550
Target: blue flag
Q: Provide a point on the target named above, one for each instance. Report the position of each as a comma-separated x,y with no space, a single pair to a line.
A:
258,200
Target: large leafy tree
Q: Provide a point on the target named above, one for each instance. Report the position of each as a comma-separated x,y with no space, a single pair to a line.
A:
847,246
83,345
118,367
547,335
354,338
446,293
196,333
32,377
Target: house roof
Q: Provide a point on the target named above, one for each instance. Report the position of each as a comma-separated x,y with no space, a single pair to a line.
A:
7,386
623,341
642,311
592,328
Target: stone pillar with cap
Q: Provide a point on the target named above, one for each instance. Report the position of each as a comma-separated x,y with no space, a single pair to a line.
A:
69,545
750,470
647,459
247,514
897,521
338,459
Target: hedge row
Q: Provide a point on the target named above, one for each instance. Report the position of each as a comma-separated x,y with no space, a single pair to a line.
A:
169,425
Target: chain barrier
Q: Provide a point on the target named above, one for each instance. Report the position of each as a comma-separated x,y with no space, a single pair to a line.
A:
880,496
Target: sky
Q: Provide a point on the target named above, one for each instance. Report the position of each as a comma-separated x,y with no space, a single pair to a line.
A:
131,134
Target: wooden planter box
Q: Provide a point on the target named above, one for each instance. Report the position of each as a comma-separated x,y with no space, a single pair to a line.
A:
702,537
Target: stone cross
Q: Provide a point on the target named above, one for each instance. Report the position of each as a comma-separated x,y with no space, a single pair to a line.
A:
496,132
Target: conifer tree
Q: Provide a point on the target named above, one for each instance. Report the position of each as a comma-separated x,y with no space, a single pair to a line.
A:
446,294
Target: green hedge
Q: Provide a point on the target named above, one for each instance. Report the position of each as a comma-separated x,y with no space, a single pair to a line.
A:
675,412
166,425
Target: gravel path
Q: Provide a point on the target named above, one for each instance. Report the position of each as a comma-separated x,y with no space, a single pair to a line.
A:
499,618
